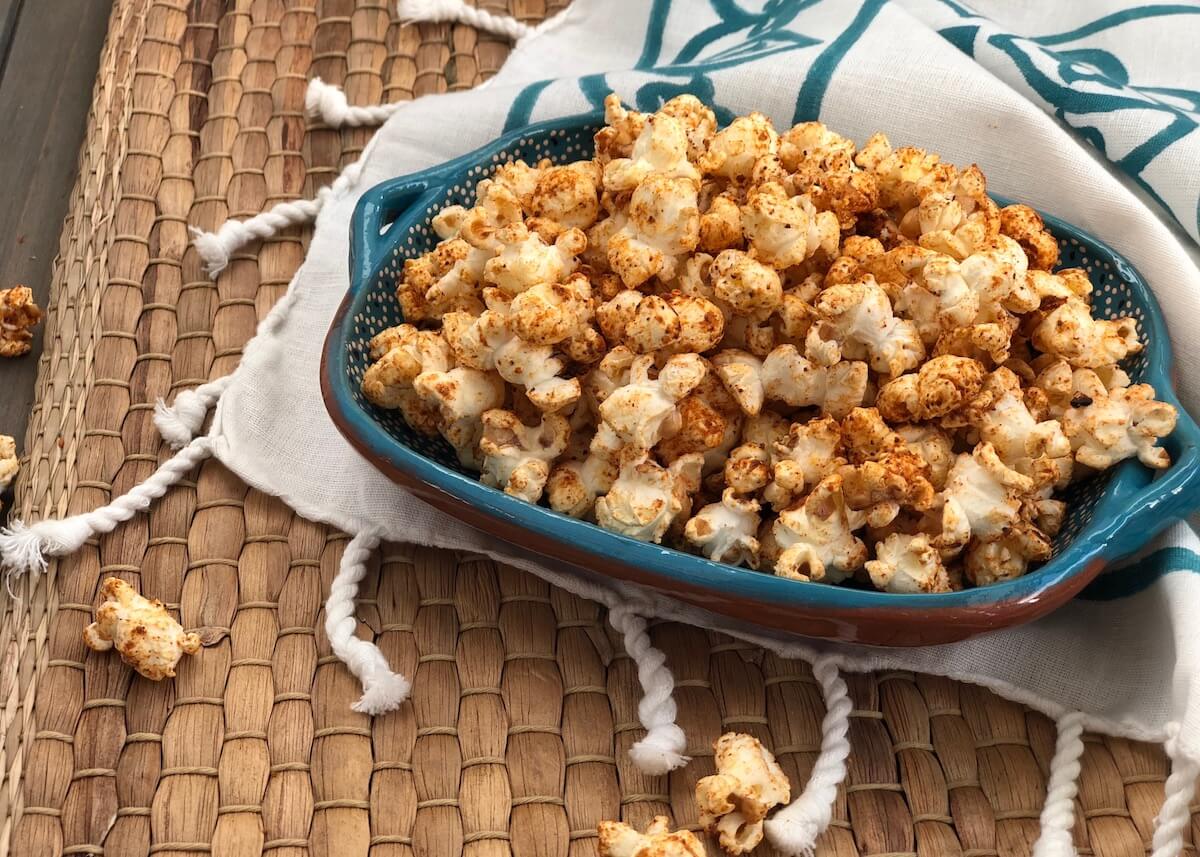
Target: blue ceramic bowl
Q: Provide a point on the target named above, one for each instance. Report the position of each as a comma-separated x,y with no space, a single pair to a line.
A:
1109,516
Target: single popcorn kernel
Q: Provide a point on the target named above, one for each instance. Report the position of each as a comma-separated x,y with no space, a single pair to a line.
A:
18,315
618,839
144,634
734,802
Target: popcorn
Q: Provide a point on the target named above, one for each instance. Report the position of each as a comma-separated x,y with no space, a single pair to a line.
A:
785,231
617,839
646,497
734,802
663,223
734,150
144,634
9,464
525,260
517,457
906,563
18,316
858,317
726,531
774,350
1070,332
816,538
789,378
1120,424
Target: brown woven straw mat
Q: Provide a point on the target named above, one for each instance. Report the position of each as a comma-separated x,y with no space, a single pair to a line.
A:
515,741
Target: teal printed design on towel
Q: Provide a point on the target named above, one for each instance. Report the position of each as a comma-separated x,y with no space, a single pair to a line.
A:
816,82
1082,84
523,104
1141,575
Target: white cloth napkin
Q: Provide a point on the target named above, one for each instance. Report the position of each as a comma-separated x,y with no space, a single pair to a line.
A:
973,84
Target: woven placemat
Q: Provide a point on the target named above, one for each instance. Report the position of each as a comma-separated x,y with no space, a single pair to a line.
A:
516,740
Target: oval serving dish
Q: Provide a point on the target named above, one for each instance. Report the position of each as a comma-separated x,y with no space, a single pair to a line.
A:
1109,516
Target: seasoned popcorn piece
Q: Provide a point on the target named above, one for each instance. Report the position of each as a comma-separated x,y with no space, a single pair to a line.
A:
955,214
906,563
1026,226
748,468
617,839
880,488
734,150
784,231
644,411
18,316
496,207
1038,449
1120,424
741,373
734,802
792,379
726,531
766,429
934,448
461,395
566,196
661,149
1052,289
858,318
622,127
442,272
548,313
900,172
942,386
676,322
982,497
1007,556
720,223
748,286
699,122
524,259
988,342
1067,388
574,485
812,145
517,457
144,634
402,353
646,498
489,342
663,223
1070,332
710,424
816,538
9,464
811,452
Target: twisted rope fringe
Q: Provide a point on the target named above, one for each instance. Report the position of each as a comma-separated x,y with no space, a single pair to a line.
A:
794,829
436,11
661,750
327,102
183,419
1058,813
383,690
23,549
1176,813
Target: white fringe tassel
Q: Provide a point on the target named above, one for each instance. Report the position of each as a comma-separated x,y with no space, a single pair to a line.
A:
434,11
383,690
1176,813
1058,813
23,549
215,248
795,828
327,102
183,419
662,748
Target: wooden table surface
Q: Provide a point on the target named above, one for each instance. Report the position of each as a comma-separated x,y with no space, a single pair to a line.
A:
49,53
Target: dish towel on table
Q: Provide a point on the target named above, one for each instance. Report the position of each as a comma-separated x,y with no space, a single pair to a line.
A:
1088,110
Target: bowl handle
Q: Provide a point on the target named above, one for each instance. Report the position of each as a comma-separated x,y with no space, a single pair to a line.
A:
1170,498
378,210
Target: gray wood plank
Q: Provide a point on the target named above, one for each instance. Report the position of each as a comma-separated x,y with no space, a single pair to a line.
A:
49,51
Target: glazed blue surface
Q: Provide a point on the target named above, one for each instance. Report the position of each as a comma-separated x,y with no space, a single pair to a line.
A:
1109,516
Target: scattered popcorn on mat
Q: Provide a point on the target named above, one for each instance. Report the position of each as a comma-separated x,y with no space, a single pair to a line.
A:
9,464
18,315
748,784
141,630
770,347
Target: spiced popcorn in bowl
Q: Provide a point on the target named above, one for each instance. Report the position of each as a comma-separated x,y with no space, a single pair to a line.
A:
774,349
